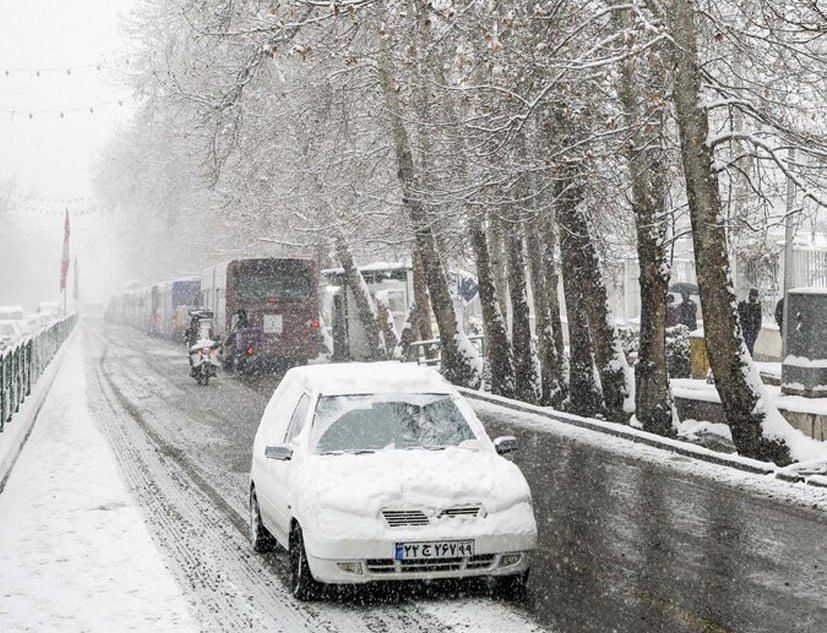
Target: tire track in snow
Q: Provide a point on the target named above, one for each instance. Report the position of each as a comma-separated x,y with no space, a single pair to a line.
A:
207,506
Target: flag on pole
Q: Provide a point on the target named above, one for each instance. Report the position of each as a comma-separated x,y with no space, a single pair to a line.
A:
64,262
76,283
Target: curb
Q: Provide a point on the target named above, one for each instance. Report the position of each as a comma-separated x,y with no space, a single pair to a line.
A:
686,449
18,430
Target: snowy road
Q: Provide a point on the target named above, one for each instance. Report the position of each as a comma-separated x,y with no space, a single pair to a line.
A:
626,545
185,453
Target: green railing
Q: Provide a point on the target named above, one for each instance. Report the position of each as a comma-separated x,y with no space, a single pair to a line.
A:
22,364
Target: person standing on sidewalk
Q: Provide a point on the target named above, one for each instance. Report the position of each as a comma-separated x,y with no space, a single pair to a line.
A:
749,315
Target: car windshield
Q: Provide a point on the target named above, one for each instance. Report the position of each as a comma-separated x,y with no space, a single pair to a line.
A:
362,423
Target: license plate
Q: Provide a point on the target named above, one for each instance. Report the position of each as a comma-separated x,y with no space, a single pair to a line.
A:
273,324
434,549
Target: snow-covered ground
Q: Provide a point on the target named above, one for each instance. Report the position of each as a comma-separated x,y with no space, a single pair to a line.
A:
701,390
75,554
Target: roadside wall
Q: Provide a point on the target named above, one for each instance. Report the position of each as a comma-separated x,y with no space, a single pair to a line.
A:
16,432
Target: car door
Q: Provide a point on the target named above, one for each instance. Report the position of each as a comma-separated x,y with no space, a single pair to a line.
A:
280,469
271,432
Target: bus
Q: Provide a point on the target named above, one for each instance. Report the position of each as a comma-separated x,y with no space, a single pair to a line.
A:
266,310
175,298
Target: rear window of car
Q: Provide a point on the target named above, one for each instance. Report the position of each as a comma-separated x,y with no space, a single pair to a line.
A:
361,423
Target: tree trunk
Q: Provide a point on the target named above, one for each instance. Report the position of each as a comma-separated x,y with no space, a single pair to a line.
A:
385,318
409,334
500,359
728,356
585,397
460,363
365,306
497,252
615,374
526,380
552,277
644,112
420,291
549,370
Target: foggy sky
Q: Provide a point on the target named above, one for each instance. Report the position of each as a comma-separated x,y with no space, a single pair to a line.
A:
50,157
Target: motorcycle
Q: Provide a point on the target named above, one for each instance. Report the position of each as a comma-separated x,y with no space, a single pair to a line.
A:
204,360
203,349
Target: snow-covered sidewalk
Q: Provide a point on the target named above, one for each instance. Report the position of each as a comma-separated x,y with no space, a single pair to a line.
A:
75,554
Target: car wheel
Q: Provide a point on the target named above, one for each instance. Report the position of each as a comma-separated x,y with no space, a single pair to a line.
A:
261,539
302,584
512,588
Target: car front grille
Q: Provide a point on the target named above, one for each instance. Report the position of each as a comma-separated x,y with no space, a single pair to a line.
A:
414,565
404,518
461,512
413,517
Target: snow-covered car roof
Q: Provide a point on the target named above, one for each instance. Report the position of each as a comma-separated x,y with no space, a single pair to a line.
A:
368,378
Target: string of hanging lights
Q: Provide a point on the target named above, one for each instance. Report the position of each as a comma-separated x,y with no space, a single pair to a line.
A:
117,64
60,113
56,211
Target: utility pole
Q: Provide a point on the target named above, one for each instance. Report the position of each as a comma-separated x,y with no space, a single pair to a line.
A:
789,235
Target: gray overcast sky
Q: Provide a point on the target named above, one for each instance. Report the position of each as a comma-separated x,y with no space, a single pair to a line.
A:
49,157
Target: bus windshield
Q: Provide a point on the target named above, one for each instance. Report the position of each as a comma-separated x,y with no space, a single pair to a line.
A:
261,280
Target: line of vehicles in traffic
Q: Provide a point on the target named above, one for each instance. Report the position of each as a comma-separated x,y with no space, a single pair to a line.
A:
245,313
362,472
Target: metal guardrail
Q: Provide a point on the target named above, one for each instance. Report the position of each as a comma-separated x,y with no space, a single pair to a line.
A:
427,352
22,364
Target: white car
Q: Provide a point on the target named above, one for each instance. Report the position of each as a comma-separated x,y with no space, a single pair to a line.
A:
11,331
381,471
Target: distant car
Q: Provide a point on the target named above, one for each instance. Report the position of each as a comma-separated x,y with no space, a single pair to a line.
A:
12,313
11,331
381,471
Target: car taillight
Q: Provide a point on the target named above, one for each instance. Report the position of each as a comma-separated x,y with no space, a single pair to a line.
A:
250,351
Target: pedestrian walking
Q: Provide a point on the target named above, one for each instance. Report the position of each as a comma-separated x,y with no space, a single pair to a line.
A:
749,315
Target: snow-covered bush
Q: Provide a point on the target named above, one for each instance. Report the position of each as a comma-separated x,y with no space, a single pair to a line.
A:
677,351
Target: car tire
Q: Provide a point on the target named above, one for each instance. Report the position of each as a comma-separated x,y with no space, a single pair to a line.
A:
260,537
302,584
512,588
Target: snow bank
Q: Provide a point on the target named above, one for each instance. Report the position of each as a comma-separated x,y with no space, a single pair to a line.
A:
801,361
802,448
15,432
75,553
752,475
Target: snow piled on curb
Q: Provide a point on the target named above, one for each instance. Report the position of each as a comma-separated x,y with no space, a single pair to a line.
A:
15,432
743,472
75,554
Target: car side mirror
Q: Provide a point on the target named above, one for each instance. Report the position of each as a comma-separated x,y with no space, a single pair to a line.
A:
281,452
505,444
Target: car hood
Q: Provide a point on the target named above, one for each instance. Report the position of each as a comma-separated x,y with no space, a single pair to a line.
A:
365,484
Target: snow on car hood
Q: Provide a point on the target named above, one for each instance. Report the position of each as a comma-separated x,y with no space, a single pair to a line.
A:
362,485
